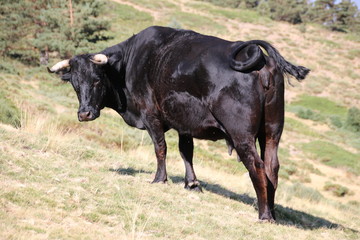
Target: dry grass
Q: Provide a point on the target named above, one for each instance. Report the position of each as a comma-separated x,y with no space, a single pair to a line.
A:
64,192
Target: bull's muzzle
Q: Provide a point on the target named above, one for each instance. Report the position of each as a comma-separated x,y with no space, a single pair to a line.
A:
86,116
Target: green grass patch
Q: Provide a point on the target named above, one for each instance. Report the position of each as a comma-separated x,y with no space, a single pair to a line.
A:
319,109
156,5
197,22
240,14
127,21
294,125
333,155
320,104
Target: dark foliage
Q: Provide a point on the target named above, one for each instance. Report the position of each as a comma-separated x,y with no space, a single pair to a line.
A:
33,29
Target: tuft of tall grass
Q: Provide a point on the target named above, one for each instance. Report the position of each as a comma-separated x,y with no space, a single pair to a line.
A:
287,170
301,191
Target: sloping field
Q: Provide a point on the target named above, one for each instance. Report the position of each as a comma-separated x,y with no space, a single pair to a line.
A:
61,179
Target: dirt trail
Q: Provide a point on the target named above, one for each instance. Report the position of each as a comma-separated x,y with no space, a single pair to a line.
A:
156,15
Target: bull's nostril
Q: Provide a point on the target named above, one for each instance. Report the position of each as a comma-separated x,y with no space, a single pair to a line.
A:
84,116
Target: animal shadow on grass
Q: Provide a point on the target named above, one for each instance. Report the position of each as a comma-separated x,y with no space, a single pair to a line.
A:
285,215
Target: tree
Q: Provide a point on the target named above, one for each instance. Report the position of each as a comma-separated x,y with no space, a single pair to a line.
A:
323,12
16,25
287,10
344,15
32,28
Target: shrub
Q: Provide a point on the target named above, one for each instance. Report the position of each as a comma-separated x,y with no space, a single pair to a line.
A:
336,189
309,114
336,121
353,119
9,114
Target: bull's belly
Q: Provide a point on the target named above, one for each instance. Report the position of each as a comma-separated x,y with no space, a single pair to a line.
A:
190,116
210,133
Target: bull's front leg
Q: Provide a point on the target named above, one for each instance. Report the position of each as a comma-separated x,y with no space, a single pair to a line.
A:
160,152
186,147
157,135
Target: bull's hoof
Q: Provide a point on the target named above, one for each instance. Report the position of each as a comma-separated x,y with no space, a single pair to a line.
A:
266,219
193,186
159,181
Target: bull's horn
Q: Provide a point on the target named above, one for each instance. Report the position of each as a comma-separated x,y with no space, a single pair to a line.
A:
99,59
60,65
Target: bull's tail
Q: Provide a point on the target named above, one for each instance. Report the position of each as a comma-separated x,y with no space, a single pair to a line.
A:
299,72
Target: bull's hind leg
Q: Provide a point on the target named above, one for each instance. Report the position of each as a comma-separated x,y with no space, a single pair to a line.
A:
269,155
240,113
186,147
247,152
270,134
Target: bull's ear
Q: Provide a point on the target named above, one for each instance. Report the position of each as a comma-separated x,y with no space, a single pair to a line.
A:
66,76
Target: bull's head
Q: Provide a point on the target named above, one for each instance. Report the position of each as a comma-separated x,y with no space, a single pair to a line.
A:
87,75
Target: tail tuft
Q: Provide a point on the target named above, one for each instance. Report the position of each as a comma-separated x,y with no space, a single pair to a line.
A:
299,72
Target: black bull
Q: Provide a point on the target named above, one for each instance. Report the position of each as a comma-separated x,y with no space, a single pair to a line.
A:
201,86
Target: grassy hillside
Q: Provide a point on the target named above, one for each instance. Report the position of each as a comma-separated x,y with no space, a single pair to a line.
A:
61,179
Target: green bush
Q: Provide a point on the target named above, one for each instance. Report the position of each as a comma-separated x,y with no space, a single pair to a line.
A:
336,121
6,67
286,171
336,189
353,119
309,114
9,114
